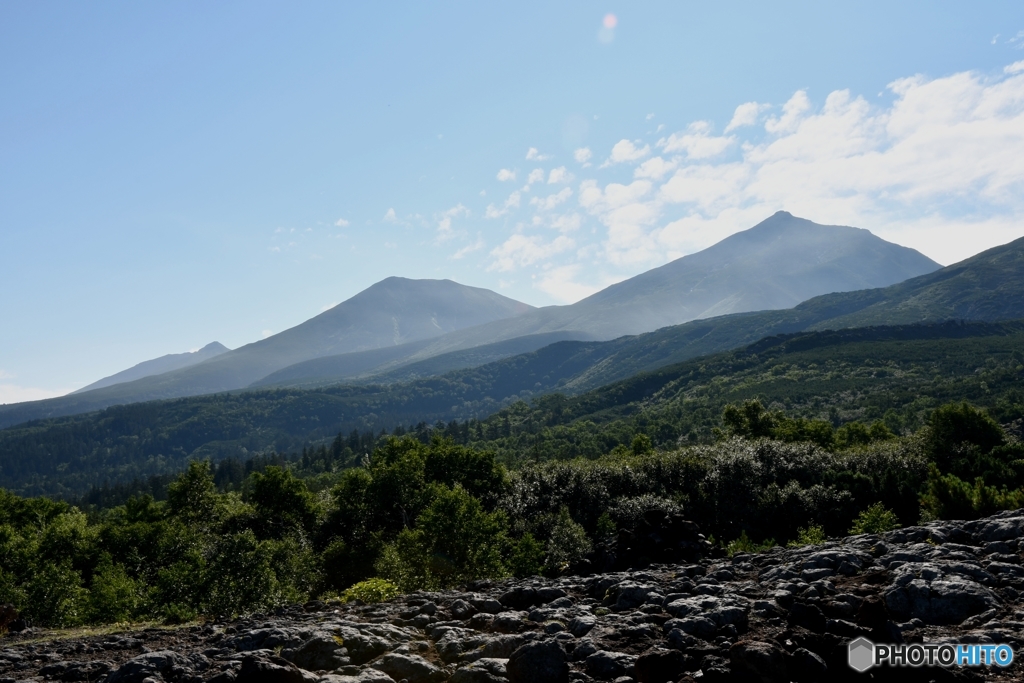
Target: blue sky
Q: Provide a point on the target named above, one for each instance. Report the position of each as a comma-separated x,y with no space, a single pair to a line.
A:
177,173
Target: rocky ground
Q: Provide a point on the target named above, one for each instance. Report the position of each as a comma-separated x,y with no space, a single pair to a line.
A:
782,615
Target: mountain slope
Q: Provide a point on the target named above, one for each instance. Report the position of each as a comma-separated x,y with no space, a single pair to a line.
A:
988,287
775,265
907,368
365,365
158,366
391,313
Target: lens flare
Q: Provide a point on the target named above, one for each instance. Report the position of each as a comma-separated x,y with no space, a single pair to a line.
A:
610,20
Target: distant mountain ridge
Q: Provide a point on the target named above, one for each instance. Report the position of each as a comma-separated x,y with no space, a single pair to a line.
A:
158,366
393,312
398,322
778,263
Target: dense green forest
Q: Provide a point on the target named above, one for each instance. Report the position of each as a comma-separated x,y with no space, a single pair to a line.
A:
895,374
790,439
426,515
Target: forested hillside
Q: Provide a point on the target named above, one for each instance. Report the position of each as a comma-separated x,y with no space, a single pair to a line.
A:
427,516
896,374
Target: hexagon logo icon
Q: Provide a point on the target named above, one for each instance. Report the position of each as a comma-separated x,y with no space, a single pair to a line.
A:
861,654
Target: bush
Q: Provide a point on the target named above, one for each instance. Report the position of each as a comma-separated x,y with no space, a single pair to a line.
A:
55,596
178,614
114,596
875,520
282,502
811,535
455,540
241,576
371,591
606,526
743,544
949,497
527,557
568,543
955,430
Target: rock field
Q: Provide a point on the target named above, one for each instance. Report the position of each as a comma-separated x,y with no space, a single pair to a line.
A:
782,615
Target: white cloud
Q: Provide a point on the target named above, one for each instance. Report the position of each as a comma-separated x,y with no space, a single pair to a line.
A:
941,169
444,221
567,222
655,168
341,223
505,174
696,142
390,216
628,212
469,249
511,203
939,166
551,201
521,250
746,115
327,307
533,155
649,117
559,175
266,333
625,150
792,112
561,284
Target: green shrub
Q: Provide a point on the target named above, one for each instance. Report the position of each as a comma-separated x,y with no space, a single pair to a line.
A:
743,544
55,596
527,557
606,526
178,614
114,596
371,591
568,543
958,431
875,520
282,502
455,540
192,497
810,535
949,497
240,576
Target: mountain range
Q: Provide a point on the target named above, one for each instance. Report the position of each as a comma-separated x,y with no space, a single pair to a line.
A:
133,440
158,366
399,322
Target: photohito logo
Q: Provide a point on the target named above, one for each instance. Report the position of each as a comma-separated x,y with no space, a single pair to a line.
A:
862,654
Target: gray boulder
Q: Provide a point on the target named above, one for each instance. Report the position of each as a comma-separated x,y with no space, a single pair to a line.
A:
164,663
322,652
607,666
272,670
542,662
759,661
950,600
486,670
412,668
